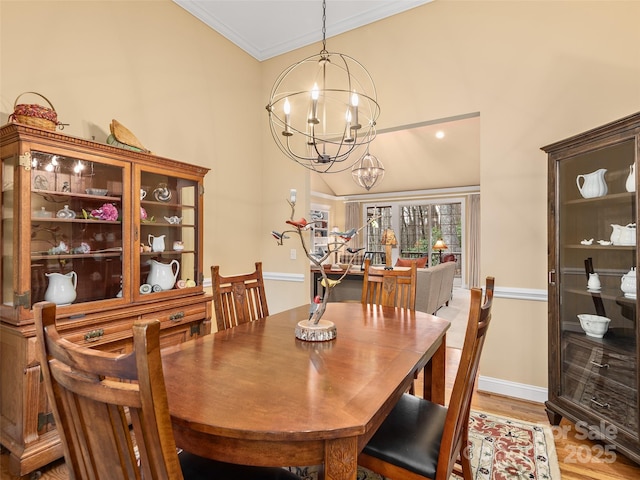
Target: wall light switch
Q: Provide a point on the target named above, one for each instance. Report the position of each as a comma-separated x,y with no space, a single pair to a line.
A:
293,254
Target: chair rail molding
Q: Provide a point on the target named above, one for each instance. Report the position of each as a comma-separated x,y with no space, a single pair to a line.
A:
514,293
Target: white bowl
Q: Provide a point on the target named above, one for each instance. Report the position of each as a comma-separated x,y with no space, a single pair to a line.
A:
97,191
594,325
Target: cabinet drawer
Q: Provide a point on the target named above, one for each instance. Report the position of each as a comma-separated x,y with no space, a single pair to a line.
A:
97,334
588,360
181,314
610,400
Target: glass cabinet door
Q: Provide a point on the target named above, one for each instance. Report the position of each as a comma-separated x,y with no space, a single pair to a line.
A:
76,228
596,259
7,229
168,209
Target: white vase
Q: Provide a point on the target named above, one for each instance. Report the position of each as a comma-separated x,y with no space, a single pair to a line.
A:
631,179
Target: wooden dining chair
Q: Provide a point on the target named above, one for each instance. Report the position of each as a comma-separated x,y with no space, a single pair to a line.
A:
423,440
112,414
389,288
239,298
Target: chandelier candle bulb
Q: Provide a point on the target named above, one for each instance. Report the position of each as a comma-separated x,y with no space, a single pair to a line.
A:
315,94
354,111
292,196
348,138
287,118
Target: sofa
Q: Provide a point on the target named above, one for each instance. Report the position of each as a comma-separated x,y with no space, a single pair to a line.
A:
434,287
433,290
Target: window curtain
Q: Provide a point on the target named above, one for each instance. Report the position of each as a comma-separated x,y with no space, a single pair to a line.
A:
353,219
473,212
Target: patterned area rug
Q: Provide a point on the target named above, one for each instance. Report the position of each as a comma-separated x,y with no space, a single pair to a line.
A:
503,448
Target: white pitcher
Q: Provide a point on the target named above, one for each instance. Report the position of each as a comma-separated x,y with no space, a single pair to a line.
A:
156,243
630,185
593,184
594,282
163,273
628,283
62,288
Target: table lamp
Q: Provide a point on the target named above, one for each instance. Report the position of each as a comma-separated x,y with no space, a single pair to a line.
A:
388,240
439,246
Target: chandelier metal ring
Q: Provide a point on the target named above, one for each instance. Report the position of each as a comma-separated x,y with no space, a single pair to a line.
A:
322,110
322,131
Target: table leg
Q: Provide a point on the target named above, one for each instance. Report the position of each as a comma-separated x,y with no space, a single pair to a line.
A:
341,459
434,375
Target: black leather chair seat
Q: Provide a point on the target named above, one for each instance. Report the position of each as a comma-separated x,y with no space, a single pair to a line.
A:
199,468
410,436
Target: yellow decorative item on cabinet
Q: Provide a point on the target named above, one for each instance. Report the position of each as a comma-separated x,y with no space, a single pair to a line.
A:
122,137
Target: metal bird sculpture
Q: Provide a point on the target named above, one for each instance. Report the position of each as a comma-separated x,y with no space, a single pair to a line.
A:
354,250
279,236
329,283
346,236
302,223
313,308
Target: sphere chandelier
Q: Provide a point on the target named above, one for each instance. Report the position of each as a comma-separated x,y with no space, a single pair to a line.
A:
323,109
368,171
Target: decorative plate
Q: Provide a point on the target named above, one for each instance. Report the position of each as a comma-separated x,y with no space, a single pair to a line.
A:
162,193
40,182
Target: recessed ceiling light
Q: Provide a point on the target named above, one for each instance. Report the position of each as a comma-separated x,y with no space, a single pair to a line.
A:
439,134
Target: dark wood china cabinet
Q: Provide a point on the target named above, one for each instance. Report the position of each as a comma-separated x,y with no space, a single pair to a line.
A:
593,257
108,234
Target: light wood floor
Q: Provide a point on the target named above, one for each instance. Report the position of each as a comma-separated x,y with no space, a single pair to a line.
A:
568,448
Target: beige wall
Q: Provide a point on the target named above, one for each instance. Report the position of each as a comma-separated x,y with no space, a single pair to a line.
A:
185,91
536,71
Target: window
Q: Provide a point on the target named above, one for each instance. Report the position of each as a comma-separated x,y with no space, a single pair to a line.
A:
421,226
418,227
375,229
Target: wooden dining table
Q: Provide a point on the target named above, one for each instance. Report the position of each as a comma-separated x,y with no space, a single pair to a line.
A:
256,395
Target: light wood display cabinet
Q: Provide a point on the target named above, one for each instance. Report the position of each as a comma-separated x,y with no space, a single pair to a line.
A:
593,259
109,235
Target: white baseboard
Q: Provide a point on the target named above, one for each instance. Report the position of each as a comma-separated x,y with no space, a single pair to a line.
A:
513,389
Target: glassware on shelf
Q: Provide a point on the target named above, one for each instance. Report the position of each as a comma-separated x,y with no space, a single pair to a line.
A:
66,213
42,213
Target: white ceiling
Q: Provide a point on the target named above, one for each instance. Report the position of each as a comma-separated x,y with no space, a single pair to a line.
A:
266,28
413,158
